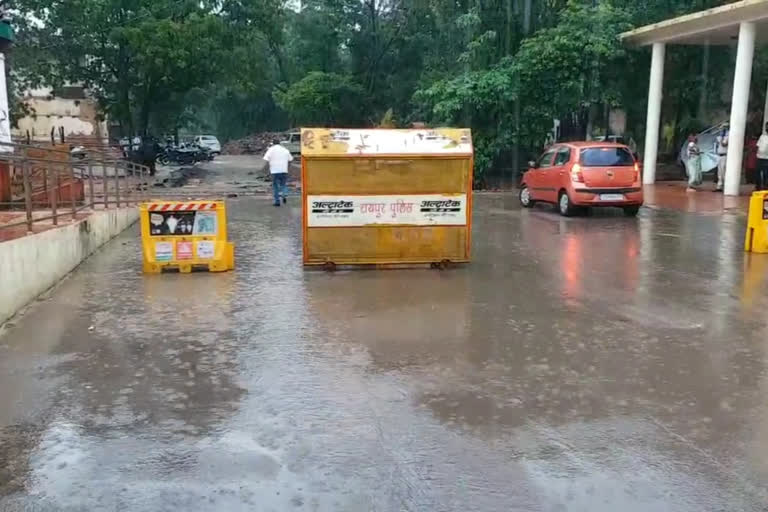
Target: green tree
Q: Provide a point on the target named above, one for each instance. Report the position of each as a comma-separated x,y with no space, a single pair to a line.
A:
558,71
324,99
507,68
133,54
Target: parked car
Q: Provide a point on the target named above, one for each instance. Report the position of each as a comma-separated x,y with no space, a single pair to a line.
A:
184,154
210,142
78,152
575,175
292,142
616,139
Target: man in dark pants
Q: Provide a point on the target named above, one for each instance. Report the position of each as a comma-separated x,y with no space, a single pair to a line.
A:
761,179
278,157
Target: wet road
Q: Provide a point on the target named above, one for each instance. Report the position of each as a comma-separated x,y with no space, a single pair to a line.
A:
587,364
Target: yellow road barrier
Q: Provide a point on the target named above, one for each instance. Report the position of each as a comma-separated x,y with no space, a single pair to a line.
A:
757,223
185,236
386,197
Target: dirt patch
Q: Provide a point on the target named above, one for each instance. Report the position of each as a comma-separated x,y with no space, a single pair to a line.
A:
251,145
16,445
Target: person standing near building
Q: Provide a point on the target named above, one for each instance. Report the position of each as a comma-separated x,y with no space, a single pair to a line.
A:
278,157
721,149
761,179
694,164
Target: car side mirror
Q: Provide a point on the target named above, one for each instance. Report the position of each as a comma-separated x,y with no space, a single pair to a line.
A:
531,164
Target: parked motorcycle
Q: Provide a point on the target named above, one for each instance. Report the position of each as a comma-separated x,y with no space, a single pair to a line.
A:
184,155
174,155
204,154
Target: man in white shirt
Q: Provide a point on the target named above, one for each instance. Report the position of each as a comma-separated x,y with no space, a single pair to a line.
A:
721,148
278,157
761,183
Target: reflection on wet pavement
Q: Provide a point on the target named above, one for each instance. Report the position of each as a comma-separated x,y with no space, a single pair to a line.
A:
589,364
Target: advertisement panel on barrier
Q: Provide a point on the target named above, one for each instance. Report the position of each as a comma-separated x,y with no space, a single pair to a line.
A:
386,196
416,210
185,235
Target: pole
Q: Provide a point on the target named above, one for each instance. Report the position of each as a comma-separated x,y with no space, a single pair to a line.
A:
5,123
72,197
27,194
739,105
117,184
54,194
129,190
144,184
90,185
105,183
653,120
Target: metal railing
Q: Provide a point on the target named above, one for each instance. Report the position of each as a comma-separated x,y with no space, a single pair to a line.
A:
49,185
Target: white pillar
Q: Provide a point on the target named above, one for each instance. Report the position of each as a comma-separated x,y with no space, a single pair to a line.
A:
653,119
5,120
739,105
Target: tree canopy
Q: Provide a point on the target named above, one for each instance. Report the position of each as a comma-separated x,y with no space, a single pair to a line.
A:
505,68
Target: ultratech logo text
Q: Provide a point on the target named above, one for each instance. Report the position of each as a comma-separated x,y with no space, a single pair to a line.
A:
340,206
445,205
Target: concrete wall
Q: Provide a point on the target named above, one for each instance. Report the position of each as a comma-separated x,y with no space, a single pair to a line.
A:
78,116
32,264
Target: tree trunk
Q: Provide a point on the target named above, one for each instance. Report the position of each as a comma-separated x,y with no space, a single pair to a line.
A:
468,35
146,109
275,49
125,109
594,81
527,17
508,52
677,136
374,46
124,100
508,38
516,147
590,122
702,111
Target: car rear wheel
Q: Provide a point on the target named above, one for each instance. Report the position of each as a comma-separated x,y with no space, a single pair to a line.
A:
525,197
565,206
631,211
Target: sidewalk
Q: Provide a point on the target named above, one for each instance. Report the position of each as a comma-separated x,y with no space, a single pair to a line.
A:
33,263
671,195
12,217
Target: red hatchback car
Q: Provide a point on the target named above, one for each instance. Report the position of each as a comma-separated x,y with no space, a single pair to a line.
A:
575,175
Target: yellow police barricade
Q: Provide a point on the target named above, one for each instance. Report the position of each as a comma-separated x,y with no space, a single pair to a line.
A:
757,223
185,236
386,197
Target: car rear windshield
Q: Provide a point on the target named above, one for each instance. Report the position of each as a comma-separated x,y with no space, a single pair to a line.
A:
606,157
209,137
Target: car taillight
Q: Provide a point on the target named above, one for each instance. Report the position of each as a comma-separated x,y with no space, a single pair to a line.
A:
637,171
576,174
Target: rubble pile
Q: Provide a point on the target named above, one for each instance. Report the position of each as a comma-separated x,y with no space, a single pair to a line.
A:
251,145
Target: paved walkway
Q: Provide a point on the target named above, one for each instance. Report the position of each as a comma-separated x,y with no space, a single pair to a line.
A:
595,363
10,229
671,195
